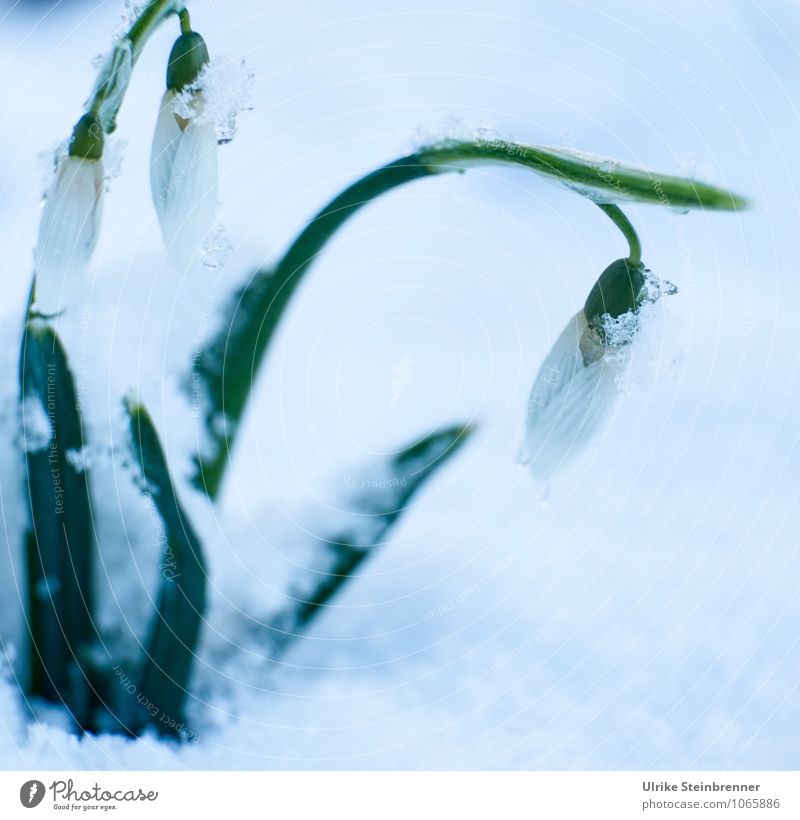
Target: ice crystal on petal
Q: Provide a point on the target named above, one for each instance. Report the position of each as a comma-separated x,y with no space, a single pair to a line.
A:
619,331
655,287
48,163
221,92
112,158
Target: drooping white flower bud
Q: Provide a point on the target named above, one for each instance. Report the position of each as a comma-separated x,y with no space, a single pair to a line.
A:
70,221
183,161
572,393
575,387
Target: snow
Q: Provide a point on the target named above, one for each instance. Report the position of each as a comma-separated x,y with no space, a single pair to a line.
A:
647,617
36,425
225,86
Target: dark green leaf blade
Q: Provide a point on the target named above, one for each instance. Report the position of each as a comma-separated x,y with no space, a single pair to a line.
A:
60,544
387,490
175,629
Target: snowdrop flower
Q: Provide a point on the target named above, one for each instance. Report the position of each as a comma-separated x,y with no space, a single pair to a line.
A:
570,397
575,387
70,220
183,162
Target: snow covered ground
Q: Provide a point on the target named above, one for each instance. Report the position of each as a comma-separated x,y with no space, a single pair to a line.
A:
647,616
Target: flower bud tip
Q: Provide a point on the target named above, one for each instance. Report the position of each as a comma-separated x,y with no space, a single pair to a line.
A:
87,138
188,58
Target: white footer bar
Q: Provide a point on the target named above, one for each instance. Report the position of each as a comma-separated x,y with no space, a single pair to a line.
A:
406,795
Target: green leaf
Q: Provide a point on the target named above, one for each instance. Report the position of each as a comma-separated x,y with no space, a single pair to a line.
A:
60,542
383,496
175,629
227,367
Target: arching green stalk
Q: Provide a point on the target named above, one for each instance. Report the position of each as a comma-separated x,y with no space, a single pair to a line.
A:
228,365
600,179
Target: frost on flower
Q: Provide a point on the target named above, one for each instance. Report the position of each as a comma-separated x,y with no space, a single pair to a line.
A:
225,87
70,221
576,386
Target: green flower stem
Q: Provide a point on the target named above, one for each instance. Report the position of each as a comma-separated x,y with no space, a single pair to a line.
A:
227,366
114,77
229,363
598,178
186,21
615,214
150,18
313,238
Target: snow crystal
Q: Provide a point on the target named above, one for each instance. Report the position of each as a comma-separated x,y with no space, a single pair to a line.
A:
89,457
658,348
227,90
217,249
36,428
619,332
48,163
131,11
454,130
113,154
223,424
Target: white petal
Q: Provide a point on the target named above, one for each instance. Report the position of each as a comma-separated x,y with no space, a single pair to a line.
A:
162,151
183,177
68,232
568,403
